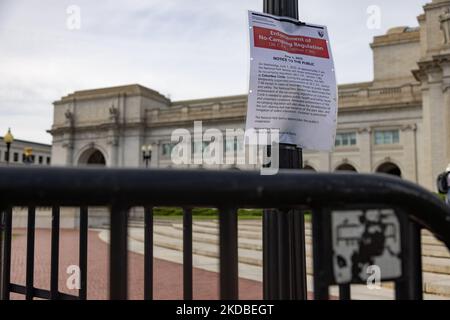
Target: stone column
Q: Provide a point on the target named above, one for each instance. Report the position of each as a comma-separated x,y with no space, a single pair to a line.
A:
409,142
325,162
434,132
445,65
68,146
155,154
364,142
113,144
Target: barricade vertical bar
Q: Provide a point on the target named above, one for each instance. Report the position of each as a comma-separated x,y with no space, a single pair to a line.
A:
299,290
410,287
265,243
2,244
187,253
30,253
148,253
228,241
83,252
321,288
344,292
54,260
401,290
416,261
6,263
270,255
118,265
284,262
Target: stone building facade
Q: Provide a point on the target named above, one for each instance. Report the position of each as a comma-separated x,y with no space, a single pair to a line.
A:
399,123
41,153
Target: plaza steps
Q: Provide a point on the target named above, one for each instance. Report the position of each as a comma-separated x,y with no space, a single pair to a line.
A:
168,238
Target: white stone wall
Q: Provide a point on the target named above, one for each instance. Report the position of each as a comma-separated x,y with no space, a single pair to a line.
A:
366,156
434,74
18,147
393,63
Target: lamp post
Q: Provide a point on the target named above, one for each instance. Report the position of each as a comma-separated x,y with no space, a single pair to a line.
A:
284,239
147,154
9,139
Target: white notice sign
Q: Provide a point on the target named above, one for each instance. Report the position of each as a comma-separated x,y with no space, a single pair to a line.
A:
292,81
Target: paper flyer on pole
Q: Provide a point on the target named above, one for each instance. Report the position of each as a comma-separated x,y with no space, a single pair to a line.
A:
292,81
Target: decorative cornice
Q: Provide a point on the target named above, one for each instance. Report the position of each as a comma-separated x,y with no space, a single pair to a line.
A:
409,127
441,59
431,68
428,66
365,130
93,127
434,5
68,145
379,107
445,85
113,141
113,92
420,75
404,36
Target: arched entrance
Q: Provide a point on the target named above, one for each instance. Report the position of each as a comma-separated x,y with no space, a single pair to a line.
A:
96,158
309,168
389,168
346,167
92,157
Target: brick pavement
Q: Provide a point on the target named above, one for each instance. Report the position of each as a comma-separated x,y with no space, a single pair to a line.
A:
167,276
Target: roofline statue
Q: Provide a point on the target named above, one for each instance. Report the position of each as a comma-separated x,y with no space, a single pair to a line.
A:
444,19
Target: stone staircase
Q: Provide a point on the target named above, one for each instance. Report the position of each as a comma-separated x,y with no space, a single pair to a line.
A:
169,245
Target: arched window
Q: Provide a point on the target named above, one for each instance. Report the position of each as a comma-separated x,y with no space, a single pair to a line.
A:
389,168
346,167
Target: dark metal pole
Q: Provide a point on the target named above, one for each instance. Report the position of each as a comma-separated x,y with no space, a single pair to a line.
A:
30,253
411,287
228,248
285,8
283,247
187,254
118,255
147,158
54,260
148,254
8,148
83,251
6,253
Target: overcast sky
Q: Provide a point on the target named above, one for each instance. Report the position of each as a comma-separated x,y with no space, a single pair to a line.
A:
182,48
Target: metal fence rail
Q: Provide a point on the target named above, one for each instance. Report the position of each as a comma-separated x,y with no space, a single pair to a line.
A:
122,189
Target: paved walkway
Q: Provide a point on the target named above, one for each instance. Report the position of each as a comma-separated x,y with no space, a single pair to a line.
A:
167,275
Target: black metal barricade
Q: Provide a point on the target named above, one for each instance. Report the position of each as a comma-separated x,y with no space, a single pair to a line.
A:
359,222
